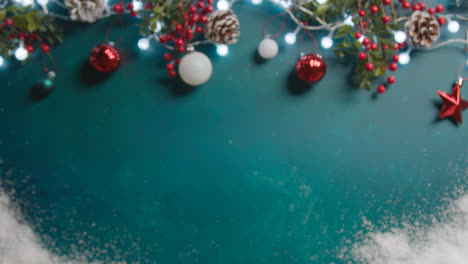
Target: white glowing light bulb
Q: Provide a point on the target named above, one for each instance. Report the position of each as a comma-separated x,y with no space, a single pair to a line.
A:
400,36
327,42
361,39
453,26
24,2
404,58
137,5
222,5
2,61
286,3
290,38
21,53
256,2
222,49
143,44
349,21
321,1
42,2
158,26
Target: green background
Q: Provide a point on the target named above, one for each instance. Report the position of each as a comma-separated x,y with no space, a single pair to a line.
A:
244,169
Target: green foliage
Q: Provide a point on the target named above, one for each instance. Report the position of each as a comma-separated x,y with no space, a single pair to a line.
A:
27,20
165,12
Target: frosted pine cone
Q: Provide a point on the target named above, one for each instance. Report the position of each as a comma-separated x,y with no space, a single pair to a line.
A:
222,27
86,10
422,29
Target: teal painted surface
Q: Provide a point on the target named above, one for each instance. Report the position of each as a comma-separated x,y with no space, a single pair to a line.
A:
240,170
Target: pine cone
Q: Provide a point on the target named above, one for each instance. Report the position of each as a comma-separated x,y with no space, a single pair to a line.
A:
422,29
86,10
222,27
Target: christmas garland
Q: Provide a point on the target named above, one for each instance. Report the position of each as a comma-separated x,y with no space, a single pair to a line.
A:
378,34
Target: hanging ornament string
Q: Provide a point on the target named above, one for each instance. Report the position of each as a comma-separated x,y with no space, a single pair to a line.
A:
459,72
112,25
46,69
306,31
281,28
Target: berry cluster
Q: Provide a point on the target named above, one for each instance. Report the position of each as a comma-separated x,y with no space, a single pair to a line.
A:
420,6
366,17
29,39
181,33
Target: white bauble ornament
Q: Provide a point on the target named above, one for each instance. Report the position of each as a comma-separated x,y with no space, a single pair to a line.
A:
195,68
267,48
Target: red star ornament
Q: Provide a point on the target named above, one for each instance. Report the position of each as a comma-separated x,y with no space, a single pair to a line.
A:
453,104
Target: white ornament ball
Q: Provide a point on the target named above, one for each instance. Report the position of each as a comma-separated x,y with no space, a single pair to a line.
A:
268,48
195,68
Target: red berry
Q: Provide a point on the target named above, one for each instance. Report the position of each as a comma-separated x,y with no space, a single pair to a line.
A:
391,79
189,36
199,30
22,35
395,58
194,18
181,49
32,37
29,48
416,7
11,36
203,19
366,41
9,22
129,6
387,2
133,13
192,9
374,9
185,16
369,66
178,61
358,35
362,13
118,8
172,74
374,46
361,55
364,24
422,5
393,66
179,27
368,47
396,46
210,1
439,8
179,42
406,4
381,89
200,4
442,20
431,11
402,45
167,56
148,6
163,39
170,66
45,48
208,9
170,38
188,31
386,19
384,46
180,5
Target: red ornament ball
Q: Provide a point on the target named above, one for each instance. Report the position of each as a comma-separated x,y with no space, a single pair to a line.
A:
105,58
311,68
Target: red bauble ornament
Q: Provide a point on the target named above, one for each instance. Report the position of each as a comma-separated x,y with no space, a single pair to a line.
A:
311,68
453,103
104,58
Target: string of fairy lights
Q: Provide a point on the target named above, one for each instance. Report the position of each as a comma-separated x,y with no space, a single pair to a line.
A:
290,38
